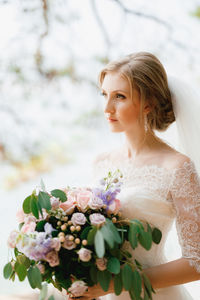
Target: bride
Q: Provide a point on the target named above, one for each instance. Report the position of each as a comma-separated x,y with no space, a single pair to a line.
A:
159,183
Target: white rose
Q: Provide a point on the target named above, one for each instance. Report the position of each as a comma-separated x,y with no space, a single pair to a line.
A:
78,219
78,288
97,219
84,254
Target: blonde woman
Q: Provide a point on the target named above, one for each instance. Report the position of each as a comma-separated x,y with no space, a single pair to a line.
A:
160,183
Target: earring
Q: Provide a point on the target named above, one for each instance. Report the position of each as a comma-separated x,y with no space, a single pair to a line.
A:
145,123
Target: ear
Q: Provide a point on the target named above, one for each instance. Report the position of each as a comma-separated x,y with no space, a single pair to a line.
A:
147,108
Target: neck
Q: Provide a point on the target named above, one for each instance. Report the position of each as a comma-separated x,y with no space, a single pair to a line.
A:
138,144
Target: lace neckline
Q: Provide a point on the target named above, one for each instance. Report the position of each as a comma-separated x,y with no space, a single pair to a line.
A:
128,163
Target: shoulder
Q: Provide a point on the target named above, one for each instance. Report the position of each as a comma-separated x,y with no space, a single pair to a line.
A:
174,159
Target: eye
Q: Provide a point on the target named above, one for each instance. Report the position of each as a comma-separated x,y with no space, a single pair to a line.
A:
120,96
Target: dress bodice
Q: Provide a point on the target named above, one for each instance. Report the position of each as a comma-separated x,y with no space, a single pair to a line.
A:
158,195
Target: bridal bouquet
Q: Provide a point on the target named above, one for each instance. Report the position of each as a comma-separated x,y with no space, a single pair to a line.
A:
73,238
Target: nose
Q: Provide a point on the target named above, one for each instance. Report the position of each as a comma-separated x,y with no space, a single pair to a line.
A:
109,106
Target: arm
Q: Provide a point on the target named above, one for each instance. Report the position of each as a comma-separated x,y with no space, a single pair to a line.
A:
172,273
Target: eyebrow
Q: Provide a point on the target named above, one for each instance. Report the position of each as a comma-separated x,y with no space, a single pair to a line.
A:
116,91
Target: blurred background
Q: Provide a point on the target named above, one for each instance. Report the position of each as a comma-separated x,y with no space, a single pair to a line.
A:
51,111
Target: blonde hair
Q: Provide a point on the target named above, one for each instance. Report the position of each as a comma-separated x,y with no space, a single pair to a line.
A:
145,73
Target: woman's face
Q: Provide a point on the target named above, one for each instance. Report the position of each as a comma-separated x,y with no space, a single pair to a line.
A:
122,112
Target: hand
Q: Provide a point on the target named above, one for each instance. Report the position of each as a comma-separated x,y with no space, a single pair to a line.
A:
94,292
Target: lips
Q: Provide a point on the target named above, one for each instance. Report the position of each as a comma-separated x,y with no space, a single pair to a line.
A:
111,120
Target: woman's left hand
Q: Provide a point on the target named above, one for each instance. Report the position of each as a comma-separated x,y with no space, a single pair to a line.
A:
95,292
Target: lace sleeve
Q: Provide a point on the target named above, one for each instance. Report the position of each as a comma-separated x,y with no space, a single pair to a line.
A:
185,192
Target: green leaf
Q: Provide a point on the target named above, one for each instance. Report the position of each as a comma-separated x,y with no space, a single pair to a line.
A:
133,235
23,260
145,239
91,235
99,244
51,298
156,235
132,295
34,277
104,278
21,272
44,200
137,283
7,270
34,207
93,273
59,194
114,231
107,235
40,226
118,284
27,205
127,277
85,232
113,265
43,292
147,285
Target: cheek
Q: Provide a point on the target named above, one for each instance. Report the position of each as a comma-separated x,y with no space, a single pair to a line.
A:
128,113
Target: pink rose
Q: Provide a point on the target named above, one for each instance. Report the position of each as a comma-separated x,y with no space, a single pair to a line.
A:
114,207
78,288
55,244
12,239
101,263
83,198
55,202
78,219
69,245
28,227
52,258
20,216
84,254
68,206
96,203
97,219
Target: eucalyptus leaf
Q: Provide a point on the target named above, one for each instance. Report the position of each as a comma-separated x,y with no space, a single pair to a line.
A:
137,283
34,277
113,265
85,232
27,205
156,235
127,277
91,235
34,207
44,200
118,284
59,194
93,273
99,244
7,270
145,239
107,235
147,285
114,231
51,298
21,272
22,259
133,235
104,278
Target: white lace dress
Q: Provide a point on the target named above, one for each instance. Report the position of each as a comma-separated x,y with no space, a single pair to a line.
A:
158,195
